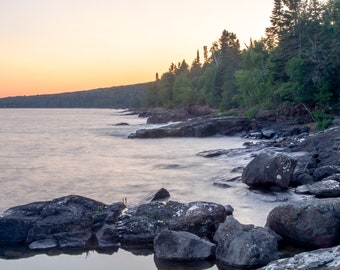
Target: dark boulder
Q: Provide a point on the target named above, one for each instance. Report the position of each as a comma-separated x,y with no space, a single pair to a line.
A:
325,259
269,170
325,171
241,245
309,224
139,226
182,246
66,222
324,144
159,195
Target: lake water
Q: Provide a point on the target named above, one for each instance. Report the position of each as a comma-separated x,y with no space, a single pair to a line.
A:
49,153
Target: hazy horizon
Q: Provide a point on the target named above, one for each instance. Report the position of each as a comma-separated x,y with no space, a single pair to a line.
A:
64,46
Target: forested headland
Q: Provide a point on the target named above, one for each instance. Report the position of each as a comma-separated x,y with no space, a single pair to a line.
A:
297,62
129,96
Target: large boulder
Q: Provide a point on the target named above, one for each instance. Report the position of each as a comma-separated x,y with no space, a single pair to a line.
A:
310,224
197,127
242,245
65,222
182,246
326,259
140,225
269,170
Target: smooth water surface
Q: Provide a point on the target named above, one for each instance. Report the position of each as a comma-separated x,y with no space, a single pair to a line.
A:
48,153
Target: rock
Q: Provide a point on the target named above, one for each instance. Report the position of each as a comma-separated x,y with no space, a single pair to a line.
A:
325,171
122,124
268,133
303,189
161,194
301,178
309,224
197,127
139,226
67,221
200,218
182,246
107,237
248,246
221,184
335,177
326,259
325,144
327,188
43,244
265,171
212,153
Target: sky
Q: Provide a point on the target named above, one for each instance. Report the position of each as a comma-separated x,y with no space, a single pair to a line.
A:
59,46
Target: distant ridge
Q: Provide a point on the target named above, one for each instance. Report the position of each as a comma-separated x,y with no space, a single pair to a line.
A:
126,96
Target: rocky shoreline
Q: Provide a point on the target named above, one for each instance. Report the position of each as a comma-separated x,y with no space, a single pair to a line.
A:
287,159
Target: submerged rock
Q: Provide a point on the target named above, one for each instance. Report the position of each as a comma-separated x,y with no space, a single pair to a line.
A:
182,246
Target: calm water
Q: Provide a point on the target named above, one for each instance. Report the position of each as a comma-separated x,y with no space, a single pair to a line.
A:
48,153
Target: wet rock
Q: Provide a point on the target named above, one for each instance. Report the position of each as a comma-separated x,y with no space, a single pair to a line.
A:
269,170
122,124
326,259
161,195
248,246
313,223
200,218
182,246
325,171
68,221
326,188
197,127
268,133
43,244
303,189
335,177
212,153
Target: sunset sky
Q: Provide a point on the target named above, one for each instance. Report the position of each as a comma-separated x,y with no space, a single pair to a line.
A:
68,45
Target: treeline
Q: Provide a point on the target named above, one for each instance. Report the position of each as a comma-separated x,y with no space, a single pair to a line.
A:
297,62
129,96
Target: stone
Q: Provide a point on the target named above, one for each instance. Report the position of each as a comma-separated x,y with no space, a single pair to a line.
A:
313,223
326,259
325,171
326,188
197,127
161,194
269,170
240,245
182,246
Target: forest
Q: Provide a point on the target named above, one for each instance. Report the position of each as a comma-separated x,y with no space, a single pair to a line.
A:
128,96
296,62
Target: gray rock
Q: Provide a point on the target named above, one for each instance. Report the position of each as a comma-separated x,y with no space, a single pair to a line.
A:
43,244
335,177
326,259
303,189
197,127
325,171
268,133
182,246
266,171
313,223
241,245
161,194
327,188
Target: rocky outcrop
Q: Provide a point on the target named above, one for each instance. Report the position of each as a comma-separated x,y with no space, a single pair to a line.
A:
182,246
241,245
197,127
79,222
309,224
326,259
269,170
66,222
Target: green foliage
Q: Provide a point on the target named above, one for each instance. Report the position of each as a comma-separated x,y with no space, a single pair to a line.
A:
323,120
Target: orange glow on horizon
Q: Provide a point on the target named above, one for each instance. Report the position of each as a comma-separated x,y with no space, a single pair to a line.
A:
61,46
